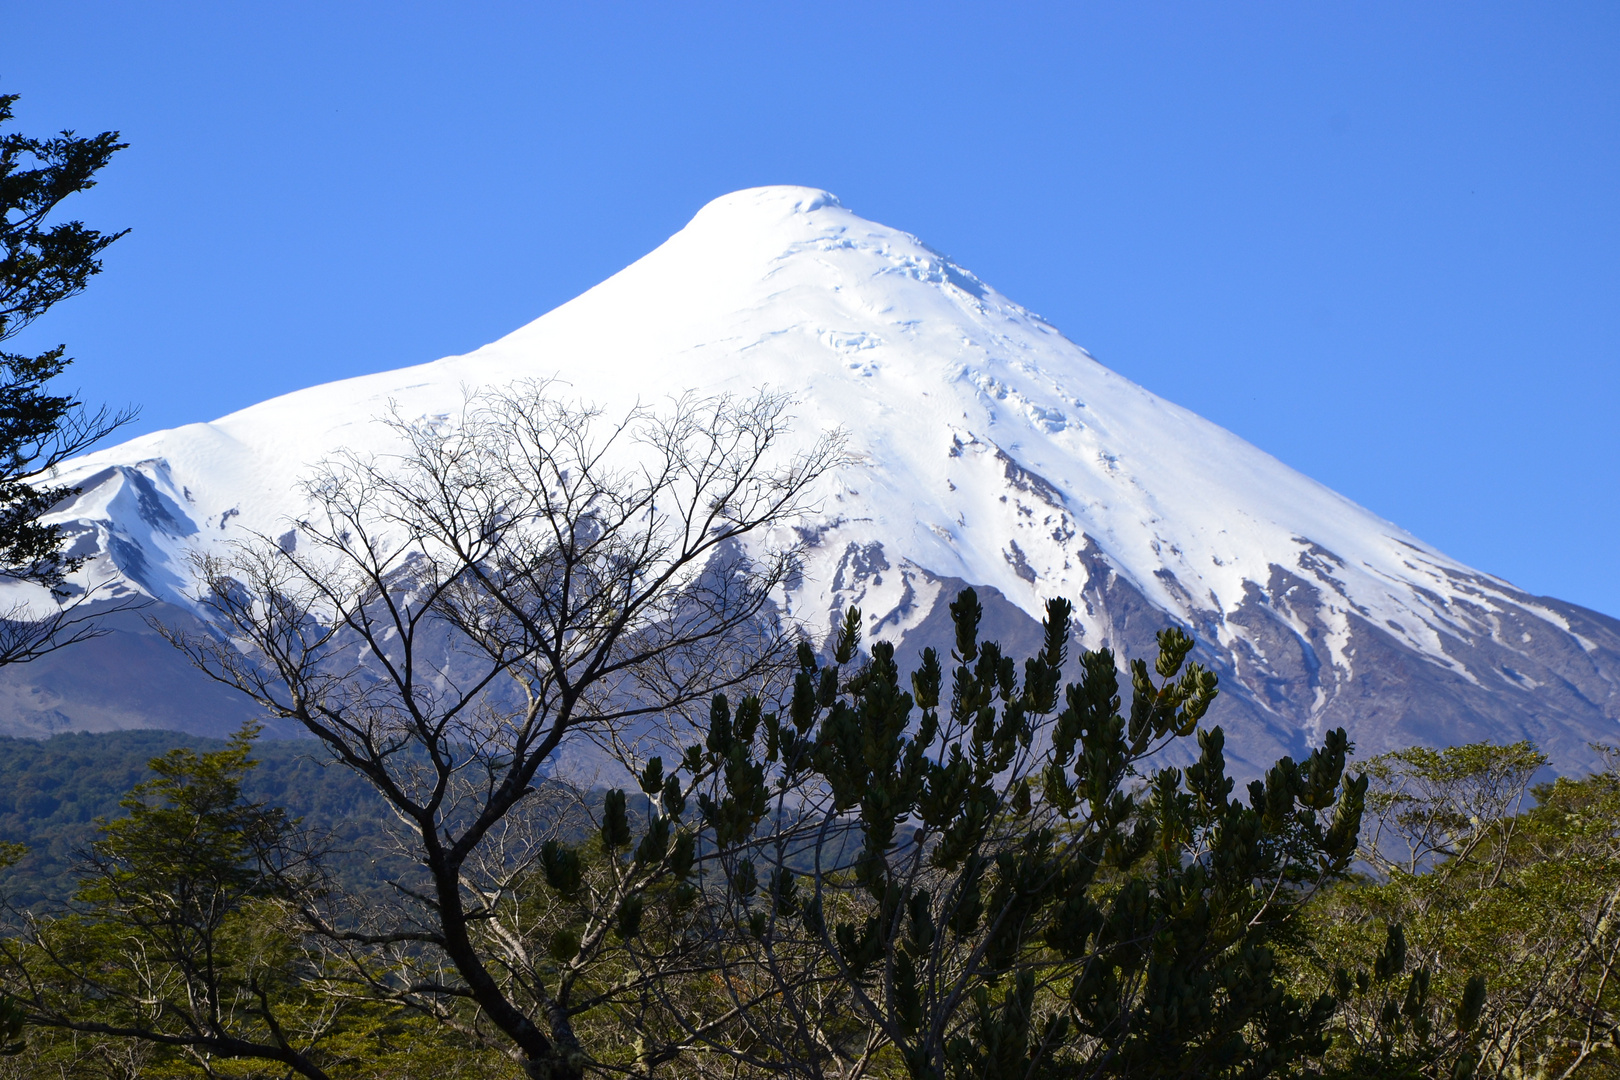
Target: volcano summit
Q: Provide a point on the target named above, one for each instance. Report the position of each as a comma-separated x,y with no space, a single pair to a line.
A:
989,450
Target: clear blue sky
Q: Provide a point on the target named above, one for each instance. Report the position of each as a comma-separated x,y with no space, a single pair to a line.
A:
1381,241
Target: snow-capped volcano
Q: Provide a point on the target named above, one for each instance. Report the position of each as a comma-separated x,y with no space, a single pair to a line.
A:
990,450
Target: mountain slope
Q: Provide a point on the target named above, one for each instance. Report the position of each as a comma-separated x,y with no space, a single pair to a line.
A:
992,451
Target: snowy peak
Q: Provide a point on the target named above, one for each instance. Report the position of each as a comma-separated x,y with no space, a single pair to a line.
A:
990,450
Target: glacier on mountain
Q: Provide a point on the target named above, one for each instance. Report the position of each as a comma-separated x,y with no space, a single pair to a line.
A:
989,450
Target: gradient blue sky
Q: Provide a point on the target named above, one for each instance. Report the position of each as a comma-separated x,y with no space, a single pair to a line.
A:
1380,241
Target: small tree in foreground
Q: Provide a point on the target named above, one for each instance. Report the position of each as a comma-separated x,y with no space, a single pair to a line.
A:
1488,943
179,937
183,954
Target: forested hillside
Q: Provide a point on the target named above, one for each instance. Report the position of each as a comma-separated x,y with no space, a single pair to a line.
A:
53,790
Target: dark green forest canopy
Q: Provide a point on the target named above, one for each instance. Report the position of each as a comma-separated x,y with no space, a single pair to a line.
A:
52,791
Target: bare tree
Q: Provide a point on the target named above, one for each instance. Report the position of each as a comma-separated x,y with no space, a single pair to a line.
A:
450,617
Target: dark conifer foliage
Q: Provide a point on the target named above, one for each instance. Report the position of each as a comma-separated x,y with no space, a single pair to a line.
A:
41,263
1003,885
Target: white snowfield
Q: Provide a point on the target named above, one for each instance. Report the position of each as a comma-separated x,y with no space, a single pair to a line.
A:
990,447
